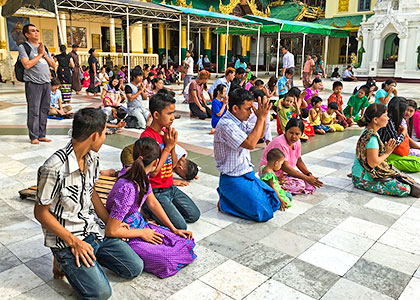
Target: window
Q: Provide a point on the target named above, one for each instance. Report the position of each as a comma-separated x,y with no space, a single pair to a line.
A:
364,5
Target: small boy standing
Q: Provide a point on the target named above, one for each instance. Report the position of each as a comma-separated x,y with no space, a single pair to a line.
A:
73,217
286,109
177,205
357,104
56,105
283,85
329,117
337,98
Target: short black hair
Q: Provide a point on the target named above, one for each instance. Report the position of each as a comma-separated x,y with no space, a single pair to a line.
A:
348,67
86,122
258,94
166,92
365,88
159,73
293,122
289,72
274,154
242,59
160,101
135,73
315,100
91,50
258,82
121,112
192,169
333,105
304,113
238,97
253,77
295,91
25,29
55,81
240,71
285,47
337,84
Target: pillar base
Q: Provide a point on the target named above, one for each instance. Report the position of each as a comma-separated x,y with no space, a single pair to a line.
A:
399,68
229,54
113,49
373,68
248,55
222,64
183,54
2,44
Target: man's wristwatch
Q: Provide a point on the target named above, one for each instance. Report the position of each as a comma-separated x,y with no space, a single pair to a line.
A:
309,174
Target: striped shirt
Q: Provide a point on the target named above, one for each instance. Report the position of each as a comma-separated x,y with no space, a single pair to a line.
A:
231,158
68,191
390,132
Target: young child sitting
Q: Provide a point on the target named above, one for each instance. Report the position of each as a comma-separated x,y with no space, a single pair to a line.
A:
251,82
286,109
315,116
275,159
335,76
72,214
328,118
164,250
219,105
56,104
177,205
114,113
337,98
357,104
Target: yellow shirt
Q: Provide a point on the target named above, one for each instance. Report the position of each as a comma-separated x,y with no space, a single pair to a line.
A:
328,119
317,121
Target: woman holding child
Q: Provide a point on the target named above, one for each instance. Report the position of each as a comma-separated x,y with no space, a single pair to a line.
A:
370,170
295,181
164,250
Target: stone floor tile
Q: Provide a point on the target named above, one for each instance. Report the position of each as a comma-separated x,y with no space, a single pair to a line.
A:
348,290
281,218
274,290
306,278
252,231
331,180
30,248
375,216
347,241
326,215
412,290
394,258
226,242
124,290
7,259
17,280
206,261
363,228
413,213
42,267
198,290
63,288
307,228
218,218
341,160
387,206
299,207
204,206
9,215
233,279
320,171
263,259
408,225
202,229
287,242
44,292
402,240
154,288
379,278
19,232
329,258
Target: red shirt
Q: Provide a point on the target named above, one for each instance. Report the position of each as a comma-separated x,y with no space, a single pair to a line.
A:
338,99
164,178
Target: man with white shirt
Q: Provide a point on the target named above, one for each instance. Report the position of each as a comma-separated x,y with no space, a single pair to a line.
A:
189,64
37,61
288,61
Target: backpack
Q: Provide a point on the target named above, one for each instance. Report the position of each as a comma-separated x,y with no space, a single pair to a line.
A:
19,68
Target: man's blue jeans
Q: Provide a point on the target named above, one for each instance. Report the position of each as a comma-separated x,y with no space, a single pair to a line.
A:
92,283
179,208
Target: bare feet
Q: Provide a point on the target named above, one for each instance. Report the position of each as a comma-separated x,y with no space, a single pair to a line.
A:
212,131
45,140
78,93
35,142
58,274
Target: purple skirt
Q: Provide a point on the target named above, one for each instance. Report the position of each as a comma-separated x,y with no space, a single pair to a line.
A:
165,259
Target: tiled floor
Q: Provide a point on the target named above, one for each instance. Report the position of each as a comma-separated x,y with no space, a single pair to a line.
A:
340,243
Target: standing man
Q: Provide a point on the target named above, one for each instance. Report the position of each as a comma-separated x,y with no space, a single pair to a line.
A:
76,84
288,61
37,82
189,64
308,69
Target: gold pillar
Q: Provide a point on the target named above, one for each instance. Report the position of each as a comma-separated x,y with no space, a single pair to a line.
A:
207,42
150,39
168,39
2,32
144,28
222,51
244,45
161,42
183,42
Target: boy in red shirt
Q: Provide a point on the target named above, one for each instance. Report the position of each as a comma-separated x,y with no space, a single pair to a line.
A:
336,97
177,205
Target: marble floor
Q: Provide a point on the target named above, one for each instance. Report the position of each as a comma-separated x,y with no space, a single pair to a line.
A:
340,243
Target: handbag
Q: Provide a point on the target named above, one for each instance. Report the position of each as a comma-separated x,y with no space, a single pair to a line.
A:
414,186
404,148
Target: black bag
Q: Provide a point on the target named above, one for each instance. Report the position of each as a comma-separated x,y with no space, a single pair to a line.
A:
19,68
131,122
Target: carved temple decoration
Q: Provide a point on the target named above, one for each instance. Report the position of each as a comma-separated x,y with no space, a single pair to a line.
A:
248,4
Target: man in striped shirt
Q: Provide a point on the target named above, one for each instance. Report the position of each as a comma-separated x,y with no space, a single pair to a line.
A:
73,217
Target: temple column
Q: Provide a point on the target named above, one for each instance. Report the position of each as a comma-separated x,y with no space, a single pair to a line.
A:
229,54
2,32
168,39
150,39
144,29
244,44
402,51
183,43
374,61
248,48
222,52
136,38
161,49
63,28
207,43
113,47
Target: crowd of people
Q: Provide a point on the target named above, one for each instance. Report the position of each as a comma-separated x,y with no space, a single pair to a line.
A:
143,225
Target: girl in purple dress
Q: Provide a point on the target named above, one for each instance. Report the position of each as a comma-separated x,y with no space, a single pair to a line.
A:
164,250
312,91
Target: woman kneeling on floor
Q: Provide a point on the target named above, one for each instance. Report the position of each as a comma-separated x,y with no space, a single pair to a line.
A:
370,171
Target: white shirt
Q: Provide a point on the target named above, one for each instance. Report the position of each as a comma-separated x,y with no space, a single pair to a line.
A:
347,74
190,62
288,60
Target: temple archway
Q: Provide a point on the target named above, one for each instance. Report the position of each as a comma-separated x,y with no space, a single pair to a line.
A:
390,51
